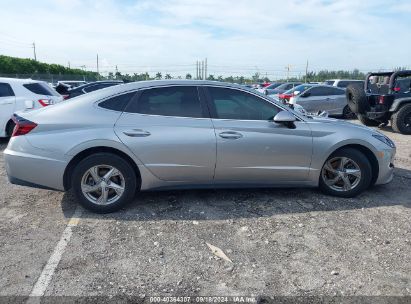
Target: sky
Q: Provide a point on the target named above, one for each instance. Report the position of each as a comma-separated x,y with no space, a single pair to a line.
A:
237,37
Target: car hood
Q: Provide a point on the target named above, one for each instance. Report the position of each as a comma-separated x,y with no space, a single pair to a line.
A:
341,123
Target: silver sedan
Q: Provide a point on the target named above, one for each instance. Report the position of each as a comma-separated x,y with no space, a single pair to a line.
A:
314,98
110,144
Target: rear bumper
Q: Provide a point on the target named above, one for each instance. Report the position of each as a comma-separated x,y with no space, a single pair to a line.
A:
34,171
377,115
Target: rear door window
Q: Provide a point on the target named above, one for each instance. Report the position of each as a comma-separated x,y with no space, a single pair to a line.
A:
319,91
6,90
40,89
179,101
335,91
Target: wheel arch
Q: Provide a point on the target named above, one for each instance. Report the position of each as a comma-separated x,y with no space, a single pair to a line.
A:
93,150
368,153
6,127
398,103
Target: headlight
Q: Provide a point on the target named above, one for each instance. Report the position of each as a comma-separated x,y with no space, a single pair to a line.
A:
384,139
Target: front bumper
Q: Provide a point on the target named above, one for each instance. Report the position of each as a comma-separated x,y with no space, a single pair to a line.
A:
386,166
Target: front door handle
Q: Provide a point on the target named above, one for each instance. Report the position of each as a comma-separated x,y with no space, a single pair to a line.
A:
137,133
230,135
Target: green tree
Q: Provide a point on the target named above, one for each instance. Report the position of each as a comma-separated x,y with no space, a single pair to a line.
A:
168,76
188,76
159,75
211,77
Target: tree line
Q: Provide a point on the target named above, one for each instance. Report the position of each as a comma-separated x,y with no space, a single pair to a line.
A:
13,65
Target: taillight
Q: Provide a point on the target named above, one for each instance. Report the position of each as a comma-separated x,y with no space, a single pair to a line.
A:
65,96
381,100
45,102
396,89
23,126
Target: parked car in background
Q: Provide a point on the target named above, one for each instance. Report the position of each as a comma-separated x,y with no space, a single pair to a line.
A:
72,83
62,87
285,97
282,88
91,87
386,97
318,98
272,86
343,83
22,95
147,135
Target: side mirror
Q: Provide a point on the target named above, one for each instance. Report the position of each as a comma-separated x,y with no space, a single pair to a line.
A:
305,94
295,93
285,118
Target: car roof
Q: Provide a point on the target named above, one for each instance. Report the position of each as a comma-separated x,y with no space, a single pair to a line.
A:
152,83
18,80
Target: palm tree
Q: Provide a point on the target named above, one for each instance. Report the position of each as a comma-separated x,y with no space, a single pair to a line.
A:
159,76
168,76
188,76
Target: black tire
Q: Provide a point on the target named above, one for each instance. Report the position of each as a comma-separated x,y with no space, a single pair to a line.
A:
9,128
368,122
364,166
348,114
109,159
401,120
356,99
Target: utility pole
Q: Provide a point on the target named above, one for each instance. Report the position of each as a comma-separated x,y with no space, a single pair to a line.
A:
206,67
306,72
98,71
197,69
288,67
34,50
69,64
202,70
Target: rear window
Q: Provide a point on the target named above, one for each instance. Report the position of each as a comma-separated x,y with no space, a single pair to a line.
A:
6,90
40,89
117,103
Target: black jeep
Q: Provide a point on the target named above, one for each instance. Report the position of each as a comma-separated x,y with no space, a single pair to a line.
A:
385,96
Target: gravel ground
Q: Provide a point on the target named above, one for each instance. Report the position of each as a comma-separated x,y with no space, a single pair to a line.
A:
282,242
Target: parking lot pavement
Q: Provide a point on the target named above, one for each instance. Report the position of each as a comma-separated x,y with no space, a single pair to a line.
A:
280,241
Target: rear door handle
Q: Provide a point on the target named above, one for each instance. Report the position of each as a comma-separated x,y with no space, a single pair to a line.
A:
230,135
137,133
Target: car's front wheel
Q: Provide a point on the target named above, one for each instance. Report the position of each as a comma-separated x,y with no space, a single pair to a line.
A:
104,182
346,173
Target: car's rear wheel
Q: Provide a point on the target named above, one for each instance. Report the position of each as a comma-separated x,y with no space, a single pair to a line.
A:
367,122
401,120
346,173
104,182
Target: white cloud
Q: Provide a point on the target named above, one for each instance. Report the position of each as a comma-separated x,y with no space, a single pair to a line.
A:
237,37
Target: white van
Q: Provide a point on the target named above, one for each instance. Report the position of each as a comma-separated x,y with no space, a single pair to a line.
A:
22,95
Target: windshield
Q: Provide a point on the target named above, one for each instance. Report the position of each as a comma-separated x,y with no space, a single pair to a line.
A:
329,82
273,86
301,88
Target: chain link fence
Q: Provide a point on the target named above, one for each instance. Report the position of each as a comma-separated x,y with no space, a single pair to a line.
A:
50,78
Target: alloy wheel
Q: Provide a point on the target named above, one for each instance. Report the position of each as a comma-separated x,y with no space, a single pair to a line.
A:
103,184
341,174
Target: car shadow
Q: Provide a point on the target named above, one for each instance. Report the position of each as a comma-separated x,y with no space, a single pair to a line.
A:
3,143
248,203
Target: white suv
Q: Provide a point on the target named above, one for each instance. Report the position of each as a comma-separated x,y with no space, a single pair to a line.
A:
22,95
343,83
